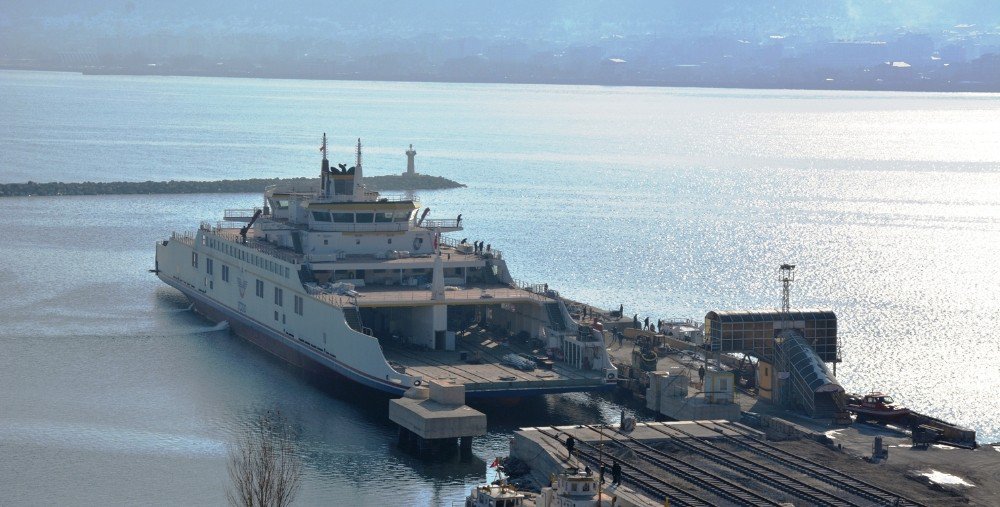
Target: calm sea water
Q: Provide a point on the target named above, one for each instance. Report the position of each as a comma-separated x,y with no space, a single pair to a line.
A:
672,202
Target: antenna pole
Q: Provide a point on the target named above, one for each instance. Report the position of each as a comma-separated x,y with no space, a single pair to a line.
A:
324,173
358,163
786,275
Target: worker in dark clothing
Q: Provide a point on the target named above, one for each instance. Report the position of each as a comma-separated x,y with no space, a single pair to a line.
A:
635,321
647,323
586,470
616,473
701,373
570,443
459,221
601,473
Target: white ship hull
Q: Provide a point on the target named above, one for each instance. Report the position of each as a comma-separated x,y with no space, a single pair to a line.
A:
325,275
297,339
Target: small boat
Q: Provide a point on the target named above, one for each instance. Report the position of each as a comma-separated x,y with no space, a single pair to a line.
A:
574,488
877,406
497,495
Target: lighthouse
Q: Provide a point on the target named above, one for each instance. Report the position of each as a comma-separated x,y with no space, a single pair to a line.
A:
410,170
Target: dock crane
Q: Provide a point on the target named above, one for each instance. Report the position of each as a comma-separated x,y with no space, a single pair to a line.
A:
246,228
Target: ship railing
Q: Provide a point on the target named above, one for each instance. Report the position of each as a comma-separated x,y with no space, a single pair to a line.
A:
260,246
424,295
537,288
184,237
445,240
492,254
238,215
395,198
448,223
373,227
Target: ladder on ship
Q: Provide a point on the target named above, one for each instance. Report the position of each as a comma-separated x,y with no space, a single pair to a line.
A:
352,314
555,316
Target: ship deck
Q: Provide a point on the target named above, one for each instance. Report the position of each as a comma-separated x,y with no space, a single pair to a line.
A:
451,252
490,376
471,294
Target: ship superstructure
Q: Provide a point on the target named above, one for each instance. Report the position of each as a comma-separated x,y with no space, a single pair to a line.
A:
338,279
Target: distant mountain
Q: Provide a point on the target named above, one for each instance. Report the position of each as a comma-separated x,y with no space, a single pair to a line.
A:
705,43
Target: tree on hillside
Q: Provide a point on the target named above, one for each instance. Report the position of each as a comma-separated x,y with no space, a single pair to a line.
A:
264,464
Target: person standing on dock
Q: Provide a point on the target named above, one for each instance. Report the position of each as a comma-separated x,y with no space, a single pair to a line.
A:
570,443
616,473
701,374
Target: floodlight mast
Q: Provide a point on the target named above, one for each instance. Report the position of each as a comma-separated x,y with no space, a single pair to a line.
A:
786,275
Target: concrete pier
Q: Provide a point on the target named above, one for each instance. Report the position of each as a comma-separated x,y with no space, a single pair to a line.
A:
435,419
725,463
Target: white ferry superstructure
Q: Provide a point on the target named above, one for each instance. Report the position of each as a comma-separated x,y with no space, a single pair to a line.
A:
341,280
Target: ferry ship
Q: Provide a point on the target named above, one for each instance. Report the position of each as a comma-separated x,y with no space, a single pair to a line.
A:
340,280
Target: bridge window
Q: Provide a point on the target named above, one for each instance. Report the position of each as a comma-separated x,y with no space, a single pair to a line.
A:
321,216
343,187
343,218
365,218
401,216
381,218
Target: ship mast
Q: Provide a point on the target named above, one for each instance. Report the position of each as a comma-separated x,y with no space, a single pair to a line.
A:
359,189
324,173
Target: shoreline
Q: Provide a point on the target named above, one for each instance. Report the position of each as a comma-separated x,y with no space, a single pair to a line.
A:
923,87
393,182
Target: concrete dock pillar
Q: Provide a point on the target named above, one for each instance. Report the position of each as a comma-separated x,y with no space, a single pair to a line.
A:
465,446
436,419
